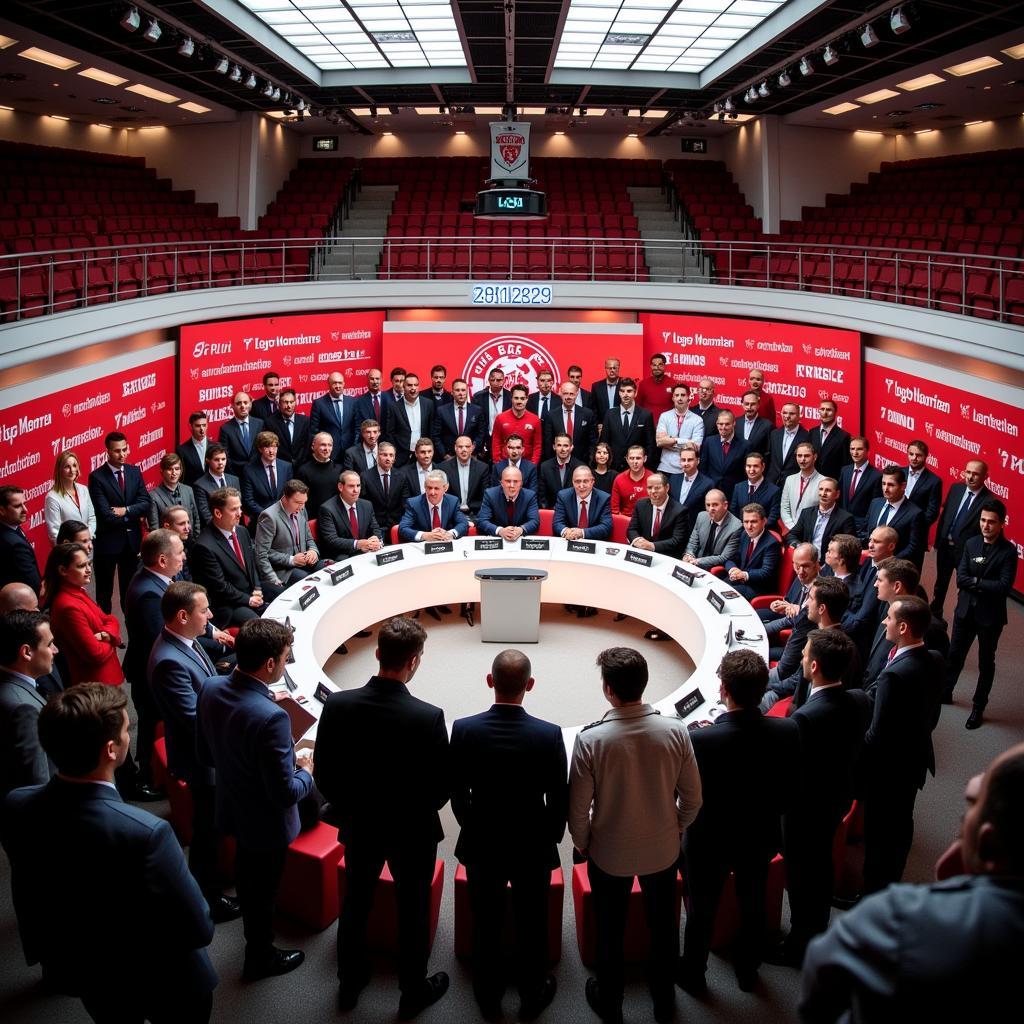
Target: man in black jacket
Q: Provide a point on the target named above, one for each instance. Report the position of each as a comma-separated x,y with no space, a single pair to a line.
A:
958,523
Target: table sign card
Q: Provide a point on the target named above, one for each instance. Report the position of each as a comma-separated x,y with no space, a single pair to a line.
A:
716,600
581,547
437,547
322,692
639,557
488,544
535,544
387,557
689,703
308,597
339,573
684,575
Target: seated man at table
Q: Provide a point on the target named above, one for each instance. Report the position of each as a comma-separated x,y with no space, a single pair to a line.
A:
285,549
716,534
658,523
433,515
581,512
753,571
347,524
509,510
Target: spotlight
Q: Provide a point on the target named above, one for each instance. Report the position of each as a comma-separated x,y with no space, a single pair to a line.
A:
729,106
250,82
806,67
130,20
236,74
899,22
830,56
277,94
868,36
784,80
751,95
187,47
301,105
267,90
763,91
153,31
221,66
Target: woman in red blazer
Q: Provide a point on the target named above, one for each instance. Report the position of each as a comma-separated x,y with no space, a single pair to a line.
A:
85,634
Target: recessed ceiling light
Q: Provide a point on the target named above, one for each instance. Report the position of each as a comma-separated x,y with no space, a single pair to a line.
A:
361,111
102,76
275,113
1016,52
742,117
923,131
3,107
195,108
105,100
153,94
864,131
99,124
489,111
59,117
971,67
425,111
656,113
534,111
913,84
460,132
387,133
559,133
6,41
877,96
632,135
53,60
968,124
840,108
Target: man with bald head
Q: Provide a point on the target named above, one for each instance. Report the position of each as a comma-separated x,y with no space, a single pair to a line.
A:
238,434
510,795
509,510
335,414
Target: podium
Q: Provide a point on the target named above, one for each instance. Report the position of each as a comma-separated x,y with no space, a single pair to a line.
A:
510,605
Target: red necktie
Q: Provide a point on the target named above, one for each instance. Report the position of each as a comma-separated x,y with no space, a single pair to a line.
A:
725,447
803,487
892,654
853,482
238,549
436,521
657,523
462,419
120,481
679,423
584,522
376,408
273,478
353,523
750,552
568,424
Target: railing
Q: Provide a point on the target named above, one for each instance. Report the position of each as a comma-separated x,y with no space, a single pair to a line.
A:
35,284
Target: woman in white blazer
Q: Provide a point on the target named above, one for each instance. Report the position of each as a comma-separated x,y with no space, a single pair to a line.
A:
68,499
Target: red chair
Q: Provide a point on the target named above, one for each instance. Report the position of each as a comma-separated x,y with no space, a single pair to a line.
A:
547,516
727,922
309,884
780,709
464,918
619,526
178,795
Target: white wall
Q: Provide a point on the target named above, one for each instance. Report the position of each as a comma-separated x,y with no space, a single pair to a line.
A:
741,151
278,150
39,130
1006,133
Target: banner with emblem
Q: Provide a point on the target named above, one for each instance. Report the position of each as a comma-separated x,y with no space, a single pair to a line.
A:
510,149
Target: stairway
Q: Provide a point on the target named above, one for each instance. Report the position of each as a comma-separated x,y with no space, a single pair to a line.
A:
365,226
670,256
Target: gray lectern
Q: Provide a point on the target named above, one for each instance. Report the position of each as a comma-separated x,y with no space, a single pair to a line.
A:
510,605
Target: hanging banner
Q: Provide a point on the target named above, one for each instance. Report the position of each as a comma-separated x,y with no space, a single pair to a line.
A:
510,149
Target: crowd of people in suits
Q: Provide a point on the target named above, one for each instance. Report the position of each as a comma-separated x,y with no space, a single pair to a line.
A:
860,660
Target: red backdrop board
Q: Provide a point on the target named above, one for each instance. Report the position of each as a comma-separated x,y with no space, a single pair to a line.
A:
138,401
219,359
801,364
522,350
960,418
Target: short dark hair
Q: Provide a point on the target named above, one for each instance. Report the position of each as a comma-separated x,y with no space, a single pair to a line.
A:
17,628
218,499
849,549
78,723
756,509
754,393
438,366
396,371
993,505
269,374
917,443
626,382
914,612
215,449
519,387
69,530
113,438
896,472
171,510
195,416
180,596
510,672
8,492
287,391
833,650
1004,807
744,676
833,593
573,369
259,640
515,437
293,487
398,640
624,672
901,570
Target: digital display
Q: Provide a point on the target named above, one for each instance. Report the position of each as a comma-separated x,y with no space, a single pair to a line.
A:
510,202
517,203
325,143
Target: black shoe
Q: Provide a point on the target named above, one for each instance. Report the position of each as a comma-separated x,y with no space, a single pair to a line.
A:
610,1015
975,718
444,609
664,1005
466,611
846,902
426,995
341,649
433,613
691,981
618,617
533,1006
224,908
363,633
746,978
280,961
571,607
144,793
348,991
656,634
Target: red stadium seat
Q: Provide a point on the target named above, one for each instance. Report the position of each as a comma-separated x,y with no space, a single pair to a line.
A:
309,884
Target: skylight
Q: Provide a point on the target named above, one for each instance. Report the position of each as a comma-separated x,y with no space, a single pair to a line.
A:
345,35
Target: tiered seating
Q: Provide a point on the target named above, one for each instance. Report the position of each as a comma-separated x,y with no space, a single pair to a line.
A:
588,203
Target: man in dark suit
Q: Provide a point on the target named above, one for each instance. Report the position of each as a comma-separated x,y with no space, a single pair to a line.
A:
659,523
605,394
246,738
705,406
346,525
584,399
17,556
268,404
192,451
544,399
896,577
859,483
582,512
924,488
898,743
433,515
132,862
373,403
959,522
454,419
26,655
860,622
510,796
577,422
819,525
412,477
383,765
491,403
509,510
555,474
119,496
830,441
292,429
514,449
335,414
212,480
410,419
178,668
691,486
896,510
738,828
363,454
389,398
723,455
984,578
263,478
626,424
755,488
751,428
383,490
437,393
782,444
467,477
754,571
238,434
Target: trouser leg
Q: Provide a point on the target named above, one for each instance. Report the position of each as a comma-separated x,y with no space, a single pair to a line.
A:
611,901
988,642
362,870
257,877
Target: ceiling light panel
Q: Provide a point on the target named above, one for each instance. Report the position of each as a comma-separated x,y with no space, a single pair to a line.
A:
913,84
153,94
840,108
194,108
102,76
6,41
878,96
1016,52
53,60
971,67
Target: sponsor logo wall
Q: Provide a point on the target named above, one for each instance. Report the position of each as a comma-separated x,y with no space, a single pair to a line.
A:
801,364
960,418
139,402
220,359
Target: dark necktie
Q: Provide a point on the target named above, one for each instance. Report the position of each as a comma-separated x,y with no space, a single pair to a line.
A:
854,480
337,412
883,519
120,480
201,654
961,515
625,422
657,524
543,407
244,430
387,483
273,478
220,482
175,496
511,513
295,531
709,547
462,419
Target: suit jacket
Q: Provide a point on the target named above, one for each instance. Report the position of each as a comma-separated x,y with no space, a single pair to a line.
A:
909,524
160,498
401,431
446,427
296,449
779,467
869,487
204,487
275,543
417,517
494,512
969,525
364,410
727,543
132,861
791,504
985,585
230,436
192,468
526,467
927,494
584,430
324,419
672,533
759,434
726,470
836,453
860,622
214,565
549,483
839,521
641,431
483,402
397,746
115,534
23,762
257,494
769,496
334,531
143,621
533,403
479,477
761,565
388,511
445,398
76,619
510,790
247,740
709,416
599,399
18,559
355,459
599,514
264,408
694,500
792,652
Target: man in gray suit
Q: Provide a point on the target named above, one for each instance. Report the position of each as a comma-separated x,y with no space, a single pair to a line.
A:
716,534
26,653
285,549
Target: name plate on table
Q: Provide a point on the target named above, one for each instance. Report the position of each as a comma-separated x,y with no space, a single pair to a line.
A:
322,692
488,543
289,682
387,557
535,544
716,600
639,557
689,703
339,574
687,576
437,547
306,599
581,547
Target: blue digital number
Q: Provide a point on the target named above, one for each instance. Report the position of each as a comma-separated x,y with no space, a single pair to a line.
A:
510,202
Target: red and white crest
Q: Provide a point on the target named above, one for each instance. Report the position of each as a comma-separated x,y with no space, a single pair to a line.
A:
510,150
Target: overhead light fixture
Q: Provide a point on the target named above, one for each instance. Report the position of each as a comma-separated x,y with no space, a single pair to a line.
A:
130,20
153,94
830,56
276,95
360,111
221,65
971,67
6,41
387,133
1016,52
868,36
102,76
632,135
267,90
300,106
236,74
899,22
751,95
52,60
763,91
61,117
250,82
186,48
840,108
924,131
194,108
806,67
153,31
864,131
784,80
729,106
100,124
968,124
4,106
913,84
877,96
